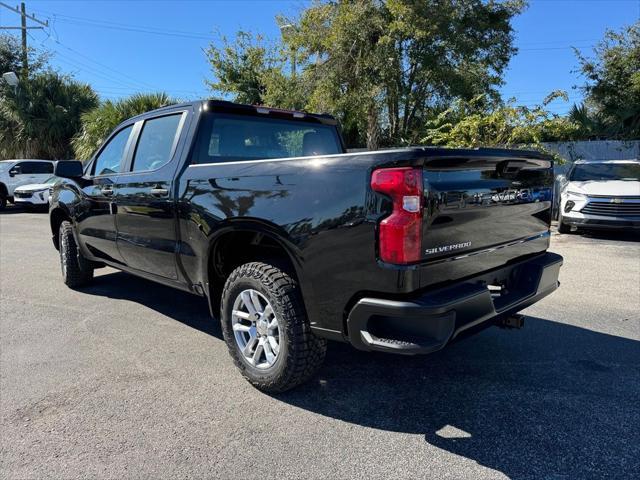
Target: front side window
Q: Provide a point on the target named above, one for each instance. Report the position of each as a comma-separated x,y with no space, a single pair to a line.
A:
156,142
228,138
24,168
111,157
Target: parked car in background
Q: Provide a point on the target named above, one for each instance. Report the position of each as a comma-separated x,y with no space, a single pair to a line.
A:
15,173
293,241
600,194
34,194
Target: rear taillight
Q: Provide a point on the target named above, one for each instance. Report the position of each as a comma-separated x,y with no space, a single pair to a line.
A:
401,232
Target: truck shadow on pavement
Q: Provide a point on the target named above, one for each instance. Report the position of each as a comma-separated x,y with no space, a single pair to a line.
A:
549,401
184,307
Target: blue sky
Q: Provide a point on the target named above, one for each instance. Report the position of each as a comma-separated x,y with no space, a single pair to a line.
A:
122,47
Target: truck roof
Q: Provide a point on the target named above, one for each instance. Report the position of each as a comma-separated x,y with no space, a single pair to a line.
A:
240,108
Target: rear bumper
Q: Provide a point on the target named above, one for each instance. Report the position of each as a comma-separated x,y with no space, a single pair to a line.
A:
426,323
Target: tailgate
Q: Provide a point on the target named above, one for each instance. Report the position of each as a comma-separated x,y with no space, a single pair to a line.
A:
474,204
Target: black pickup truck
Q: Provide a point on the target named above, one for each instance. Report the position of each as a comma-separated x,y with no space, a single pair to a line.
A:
293,241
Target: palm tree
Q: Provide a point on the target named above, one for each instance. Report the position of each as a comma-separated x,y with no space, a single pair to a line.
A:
40,117
589,121
98,123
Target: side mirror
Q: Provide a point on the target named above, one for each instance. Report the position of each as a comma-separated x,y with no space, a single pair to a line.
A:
14,171
68,169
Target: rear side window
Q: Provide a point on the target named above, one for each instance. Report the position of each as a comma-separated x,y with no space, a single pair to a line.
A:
228,138
156,143
111,157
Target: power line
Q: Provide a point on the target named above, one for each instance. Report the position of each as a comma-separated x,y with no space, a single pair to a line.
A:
128,27
24,28
84,66
105,71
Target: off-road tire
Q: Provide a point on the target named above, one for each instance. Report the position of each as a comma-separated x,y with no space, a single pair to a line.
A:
77,271
301,352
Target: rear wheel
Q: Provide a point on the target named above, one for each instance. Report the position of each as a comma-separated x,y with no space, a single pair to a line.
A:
266,328
76,270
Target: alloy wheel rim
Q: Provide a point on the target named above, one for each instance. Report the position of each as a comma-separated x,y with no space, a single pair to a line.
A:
256,329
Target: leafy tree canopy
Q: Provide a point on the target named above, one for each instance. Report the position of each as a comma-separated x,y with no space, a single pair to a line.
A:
11,56
612,89
39,119
382,67
472,124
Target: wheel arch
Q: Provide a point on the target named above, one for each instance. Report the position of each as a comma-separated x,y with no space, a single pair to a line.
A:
246,241
57,215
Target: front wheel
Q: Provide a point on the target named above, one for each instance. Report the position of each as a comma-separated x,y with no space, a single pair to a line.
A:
266,328
3,202
563,227
76,270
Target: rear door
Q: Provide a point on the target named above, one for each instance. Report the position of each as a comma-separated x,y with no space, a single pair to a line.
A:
97,226
42,171
146,218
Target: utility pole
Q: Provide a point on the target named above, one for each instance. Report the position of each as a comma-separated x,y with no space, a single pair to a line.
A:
25,57
23,17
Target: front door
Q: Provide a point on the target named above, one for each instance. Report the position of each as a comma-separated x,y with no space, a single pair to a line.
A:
146,218
97,226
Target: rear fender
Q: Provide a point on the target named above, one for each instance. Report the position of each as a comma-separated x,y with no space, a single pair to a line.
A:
273,232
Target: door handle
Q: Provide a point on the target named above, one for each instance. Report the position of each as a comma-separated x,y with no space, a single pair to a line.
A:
107,191
159,192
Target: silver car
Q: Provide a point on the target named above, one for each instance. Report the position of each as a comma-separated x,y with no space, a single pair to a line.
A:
600,194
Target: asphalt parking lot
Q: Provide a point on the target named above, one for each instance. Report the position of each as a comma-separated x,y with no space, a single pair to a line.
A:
130,379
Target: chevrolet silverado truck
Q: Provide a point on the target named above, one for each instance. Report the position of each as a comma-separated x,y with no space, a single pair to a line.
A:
295,242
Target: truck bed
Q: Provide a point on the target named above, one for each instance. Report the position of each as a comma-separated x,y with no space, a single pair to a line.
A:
483,208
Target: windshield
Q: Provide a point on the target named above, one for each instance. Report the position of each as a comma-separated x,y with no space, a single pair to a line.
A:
4,166
584,172
230,138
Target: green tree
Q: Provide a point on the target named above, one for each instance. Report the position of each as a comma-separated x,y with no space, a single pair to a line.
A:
382,67
41,116
11,56
99,122
240,67
472,124
612,105
393,63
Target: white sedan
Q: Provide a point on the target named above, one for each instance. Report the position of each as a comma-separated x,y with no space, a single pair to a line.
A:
35,194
